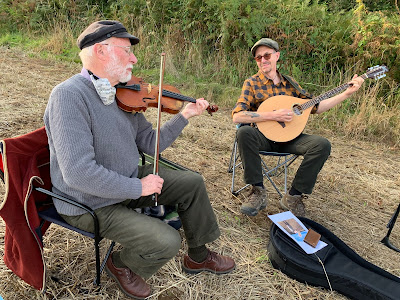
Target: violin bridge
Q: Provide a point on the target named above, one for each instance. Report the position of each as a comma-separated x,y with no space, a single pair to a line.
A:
149,88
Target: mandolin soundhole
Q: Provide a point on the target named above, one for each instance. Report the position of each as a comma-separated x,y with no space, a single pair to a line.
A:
297,109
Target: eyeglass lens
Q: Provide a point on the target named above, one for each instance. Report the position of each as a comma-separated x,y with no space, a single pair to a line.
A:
127,49
266,56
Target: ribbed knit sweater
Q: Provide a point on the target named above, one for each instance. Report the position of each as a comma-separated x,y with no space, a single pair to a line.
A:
94,153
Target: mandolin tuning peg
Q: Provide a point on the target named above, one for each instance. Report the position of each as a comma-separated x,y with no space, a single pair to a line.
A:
374,67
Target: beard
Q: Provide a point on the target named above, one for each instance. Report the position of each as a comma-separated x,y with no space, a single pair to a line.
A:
266,68
115,69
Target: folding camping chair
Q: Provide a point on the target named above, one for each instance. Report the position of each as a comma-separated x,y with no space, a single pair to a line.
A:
47,211
281,165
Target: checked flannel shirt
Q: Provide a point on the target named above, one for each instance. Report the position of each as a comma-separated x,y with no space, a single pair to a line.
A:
258,88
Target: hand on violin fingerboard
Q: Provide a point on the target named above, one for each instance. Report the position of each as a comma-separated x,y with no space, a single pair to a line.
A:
195,109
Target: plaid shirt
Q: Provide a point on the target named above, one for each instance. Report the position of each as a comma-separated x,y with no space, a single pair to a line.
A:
258,88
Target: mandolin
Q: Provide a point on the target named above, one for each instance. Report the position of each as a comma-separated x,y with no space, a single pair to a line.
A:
287,131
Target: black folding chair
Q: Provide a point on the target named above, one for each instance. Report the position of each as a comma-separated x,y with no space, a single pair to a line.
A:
281,165
47,212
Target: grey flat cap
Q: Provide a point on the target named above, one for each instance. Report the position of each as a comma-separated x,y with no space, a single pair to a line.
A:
102,30
265,42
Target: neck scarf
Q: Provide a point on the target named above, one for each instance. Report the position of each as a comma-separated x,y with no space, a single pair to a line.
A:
104,89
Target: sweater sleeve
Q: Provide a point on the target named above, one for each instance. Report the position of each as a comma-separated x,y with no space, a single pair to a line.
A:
68,123
146,136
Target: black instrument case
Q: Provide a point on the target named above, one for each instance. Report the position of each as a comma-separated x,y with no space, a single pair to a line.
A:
335,266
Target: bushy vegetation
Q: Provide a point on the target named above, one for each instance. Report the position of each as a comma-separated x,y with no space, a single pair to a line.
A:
208,41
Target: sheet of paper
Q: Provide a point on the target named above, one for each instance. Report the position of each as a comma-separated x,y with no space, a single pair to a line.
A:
294,228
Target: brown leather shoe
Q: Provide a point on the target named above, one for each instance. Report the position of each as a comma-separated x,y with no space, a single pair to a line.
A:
130,283
214,263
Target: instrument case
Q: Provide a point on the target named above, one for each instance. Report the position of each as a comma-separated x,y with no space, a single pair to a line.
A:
335,266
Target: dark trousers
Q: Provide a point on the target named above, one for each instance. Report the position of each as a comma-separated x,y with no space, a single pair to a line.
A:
313,148
148,243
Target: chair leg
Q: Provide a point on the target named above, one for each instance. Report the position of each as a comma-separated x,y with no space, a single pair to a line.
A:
233,179
232,168
285,179
97,251
232,160
288,160
390,225
267,172
103,264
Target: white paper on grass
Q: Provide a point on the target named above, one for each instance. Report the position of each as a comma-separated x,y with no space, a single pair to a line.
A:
287,215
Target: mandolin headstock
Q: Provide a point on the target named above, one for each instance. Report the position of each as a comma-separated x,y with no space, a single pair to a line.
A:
376,72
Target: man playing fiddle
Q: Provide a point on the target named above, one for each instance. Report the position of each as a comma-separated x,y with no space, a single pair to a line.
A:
94,154
269,82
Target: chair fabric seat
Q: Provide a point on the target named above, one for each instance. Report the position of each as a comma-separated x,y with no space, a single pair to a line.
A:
274,153
50,214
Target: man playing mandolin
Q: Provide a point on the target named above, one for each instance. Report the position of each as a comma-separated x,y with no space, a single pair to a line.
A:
267,83
94,153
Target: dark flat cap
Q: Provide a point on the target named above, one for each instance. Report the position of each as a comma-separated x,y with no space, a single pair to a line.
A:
265,42
102,30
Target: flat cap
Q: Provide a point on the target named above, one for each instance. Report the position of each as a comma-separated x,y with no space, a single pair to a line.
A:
265,42
102,30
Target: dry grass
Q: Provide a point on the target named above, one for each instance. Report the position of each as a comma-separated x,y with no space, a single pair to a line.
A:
356,194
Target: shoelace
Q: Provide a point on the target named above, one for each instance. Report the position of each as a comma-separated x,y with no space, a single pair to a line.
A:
212,256
300,200
128,275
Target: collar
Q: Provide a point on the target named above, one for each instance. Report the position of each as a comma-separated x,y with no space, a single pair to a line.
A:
85,73
265,79
91,73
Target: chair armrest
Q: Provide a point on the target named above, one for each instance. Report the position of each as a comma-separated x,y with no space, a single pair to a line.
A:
167,163
64,199
75,203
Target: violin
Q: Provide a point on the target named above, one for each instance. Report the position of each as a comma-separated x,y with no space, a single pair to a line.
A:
137,95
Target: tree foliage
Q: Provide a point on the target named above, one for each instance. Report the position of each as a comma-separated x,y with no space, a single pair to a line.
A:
212,38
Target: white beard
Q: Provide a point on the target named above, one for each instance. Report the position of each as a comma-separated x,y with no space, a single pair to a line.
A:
115,70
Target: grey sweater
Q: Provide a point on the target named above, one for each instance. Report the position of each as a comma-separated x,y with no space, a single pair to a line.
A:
94,153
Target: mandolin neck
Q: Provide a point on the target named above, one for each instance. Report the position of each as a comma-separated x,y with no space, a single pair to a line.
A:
327,95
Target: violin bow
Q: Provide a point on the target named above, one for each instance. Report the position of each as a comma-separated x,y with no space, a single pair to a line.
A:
157,143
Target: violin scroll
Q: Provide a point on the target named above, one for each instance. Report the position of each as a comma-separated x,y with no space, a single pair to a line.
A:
212,109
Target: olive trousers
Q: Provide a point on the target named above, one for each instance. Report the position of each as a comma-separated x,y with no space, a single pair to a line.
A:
315,150
148,243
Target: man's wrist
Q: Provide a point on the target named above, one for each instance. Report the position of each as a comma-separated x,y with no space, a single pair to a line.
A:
186,115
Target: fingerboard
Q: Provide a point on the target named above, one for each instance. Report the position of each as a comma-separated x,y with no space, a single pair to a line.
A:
327,95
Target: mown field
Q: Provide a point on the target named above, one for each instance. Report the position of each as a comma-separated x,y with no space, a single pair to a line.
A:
356,194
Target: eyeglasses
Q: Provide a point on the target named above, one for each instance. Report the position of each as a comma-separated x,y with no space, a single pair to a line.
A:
128,49
266,56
